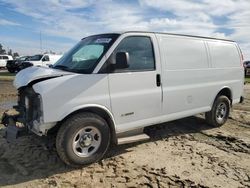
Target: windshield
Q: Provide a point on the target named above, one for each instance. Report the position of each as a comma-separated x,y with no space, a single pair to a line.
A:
84,57
23,58
35,58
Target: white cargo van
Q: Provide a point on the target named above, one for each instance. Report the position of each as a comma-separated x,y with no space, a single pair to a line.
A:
4,59
44,59
110,84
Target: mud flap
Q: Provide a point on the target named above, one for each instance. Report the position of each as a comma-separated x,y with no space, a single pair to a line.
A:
241,99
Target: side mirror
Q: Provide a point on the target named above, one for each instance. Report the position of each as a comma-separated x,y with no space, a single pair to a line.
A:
122,60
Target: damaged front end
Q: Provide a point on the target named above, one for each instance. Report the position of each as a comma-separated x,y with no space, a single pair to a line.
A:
26,114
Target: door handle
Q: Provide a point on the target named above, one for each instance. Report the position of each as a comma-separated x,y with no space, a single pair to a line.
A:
158,80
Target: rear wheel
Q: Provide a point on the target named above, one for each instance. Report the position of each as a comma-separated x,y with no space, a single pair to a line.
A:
83,139
219,112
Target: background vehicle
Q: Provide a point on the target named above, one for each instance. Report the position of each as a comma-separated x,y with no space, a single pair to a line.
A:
4,59
13,65
111,84
40,60
246,65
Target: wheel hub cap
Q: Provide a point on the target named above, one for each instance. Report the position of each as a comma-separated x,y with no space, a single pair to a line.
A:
221,112
86,141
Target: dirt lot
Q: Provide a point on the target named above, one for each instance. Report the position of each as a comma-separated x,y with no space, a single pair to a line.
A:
183,153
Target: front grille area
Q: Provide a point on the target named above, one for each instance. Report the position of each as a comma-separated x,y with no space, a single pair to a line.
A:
28,106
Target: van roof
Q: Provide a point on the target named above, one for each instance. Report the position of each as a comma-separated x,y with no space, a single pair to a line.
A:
47,54
5,55
174,34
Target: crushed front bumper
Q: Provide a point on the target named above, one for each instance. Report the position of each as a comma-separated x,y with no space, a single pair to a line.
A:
27,116
14,129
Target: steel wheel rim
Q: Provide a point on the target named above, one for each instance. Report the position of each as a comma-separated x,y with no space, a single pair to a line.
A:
221,112
86,141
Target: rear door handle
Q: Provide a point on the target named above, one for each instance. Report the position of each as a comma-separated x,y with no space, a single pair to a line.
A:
158,80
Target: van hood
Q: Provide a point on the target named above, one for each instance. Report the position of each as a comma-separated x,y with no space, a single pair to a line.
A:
34,62
33,73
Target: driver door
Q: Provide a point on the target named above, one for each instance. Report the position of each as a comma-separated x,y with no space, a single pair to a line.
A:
134,92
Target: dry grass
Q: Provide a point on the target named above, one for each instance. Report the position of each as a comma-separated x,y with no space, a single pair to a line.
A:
7,76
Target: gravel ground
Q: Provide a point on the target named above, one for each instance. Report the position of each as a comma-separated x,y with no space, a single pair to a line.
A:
182,153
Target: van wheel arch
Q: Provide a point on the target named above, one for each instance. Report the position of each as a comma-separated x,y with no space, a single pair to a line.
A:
226,91
95,110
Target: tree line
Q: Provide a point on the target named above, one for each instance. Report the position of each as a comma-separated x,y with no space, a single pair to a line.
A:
8,52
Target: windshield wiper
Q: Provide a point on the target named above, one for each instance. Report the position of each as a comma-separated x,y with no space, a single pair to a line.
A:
65,68
62,67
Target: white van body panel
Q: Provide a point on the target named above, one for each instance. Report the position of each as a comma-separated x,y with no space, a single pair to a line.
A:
190,78
223,54
76,92
183,73
4,59
52,60
191,72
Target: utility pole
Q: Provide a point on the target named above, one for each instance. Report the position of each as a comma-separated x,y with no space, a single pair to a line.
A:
41,42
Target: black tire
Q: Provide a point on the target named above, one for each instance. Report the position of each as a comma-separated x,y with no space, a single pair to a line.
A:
69,131
11,70
216,117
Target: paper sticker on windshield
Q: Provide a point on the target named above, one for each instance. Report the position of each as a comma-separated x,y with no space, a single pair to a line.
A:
103,40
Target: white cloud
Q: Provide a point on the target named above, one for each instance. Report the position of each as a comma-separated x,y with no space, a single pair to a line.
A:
25,47
5,22
197,17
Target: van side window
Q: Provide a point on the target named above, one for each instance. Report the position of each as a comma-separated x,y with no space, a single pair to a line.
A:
5,57
1,57
141,55
45,58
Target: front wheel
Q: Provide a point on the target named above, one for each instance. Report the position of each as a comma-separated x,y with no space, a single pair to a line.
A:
219,112
83,139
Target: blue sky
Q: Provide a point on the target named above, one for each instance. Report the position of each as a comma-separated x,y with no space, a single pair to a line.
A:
62,22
